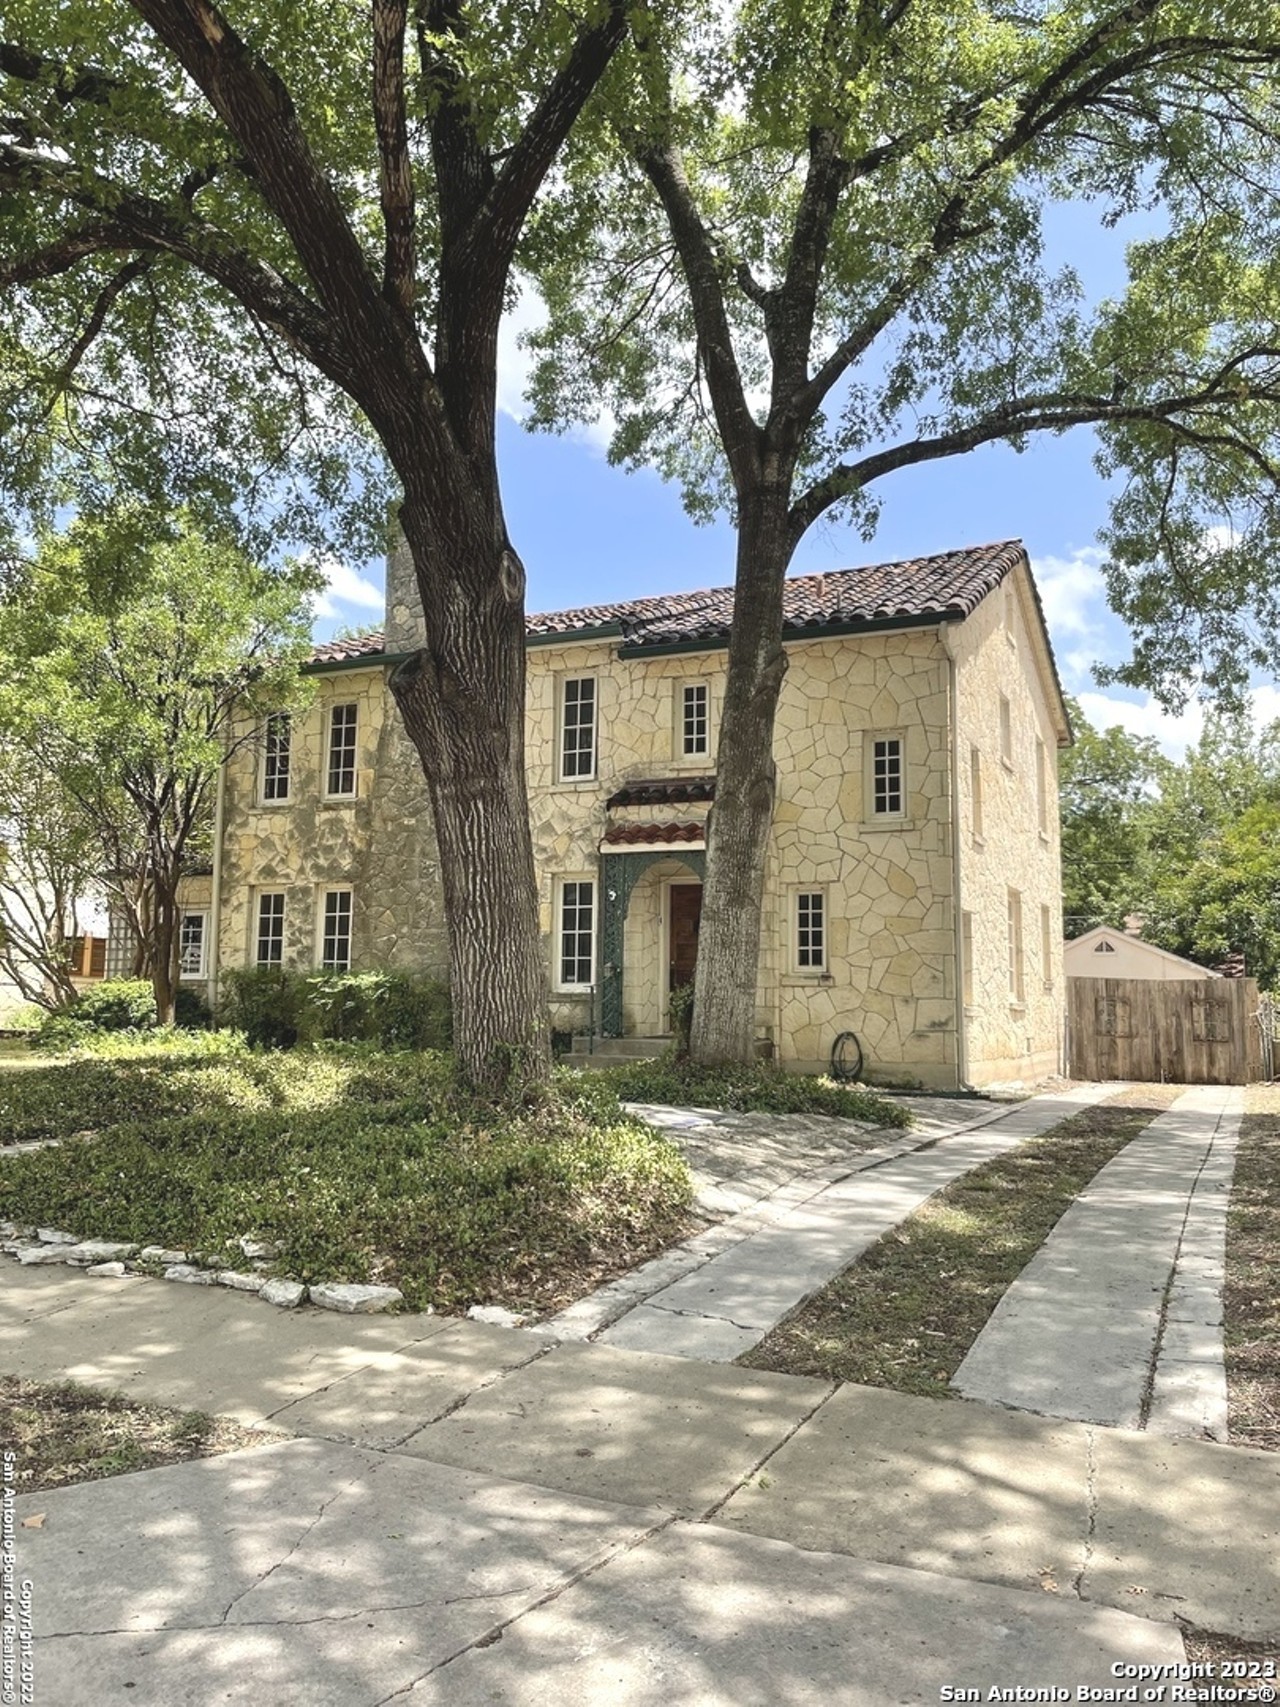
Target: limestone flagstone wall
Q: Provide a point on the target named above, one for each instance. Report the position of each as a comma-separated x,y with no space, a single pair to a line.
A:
1010,849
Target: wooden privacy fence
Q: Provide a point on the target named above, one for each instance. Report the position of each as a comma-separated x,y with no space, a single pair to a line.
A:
1194,1031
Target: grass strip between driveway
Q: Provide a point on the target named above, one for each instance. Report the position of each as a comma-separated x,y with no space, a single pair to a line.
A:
64,1433
1251,1295
904,1315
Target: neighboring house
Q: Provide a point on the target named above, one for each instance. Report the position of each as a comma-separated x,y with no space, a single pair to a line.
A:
913,889
1108,953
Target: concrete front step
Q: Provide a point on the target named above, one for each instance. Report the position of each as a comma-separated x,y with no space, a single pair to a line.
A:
609,1051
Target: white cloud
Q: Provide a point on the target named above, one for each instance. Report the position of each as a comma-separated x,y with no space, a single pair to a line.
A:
1073,592
1174,732
515,368
345,586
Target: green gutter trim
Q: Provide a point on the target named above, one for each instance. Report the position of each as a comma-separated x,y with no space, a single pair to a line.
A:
366,661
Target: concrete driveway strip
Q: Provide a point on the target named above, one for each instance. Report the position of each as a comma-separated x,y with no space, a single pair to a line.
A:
1076,1333
731,1302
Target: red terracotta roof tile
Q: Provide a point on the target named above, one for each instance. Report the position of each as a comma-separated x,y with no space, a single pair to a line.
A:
645,834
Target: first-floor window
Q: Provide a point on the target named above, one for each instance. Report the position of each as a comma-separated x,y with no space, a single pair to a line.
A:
270,929
577,934
811,930
1017,983
191,945
335,940
1046,946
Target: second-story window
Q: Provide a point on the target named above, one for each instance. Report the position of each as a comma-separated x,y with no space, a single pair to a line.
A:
886,776
276,741
578,729
695,720
342,751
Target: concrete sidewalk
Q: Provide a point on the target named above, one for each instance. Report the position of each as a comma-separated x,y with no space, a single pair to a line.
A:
471,1514
1117,1318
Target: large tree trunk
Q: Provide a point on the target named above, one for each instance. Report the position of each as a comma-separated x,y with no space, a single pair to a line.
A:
166,950
463,702
727,974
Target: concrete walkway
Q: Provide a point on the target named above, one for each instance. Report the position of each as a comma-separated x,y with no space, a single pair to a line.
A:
1117,1319
467,1514
719,1293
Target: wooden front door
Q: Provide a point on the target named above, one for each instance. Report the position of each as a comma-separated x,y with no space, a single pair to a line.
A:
682,949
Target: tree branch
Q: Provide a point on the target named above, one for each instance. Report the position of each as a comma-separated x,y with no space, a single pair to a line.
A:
1035,415
395,178
742,439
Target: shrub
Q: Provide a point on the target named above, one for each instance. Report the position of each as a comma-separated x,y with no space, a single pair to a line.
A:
116,1004
397,1010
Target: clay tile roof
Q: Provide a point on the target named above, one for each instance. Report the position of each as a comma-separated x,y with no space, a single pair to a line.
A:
664,791
653,833
341,651
949,584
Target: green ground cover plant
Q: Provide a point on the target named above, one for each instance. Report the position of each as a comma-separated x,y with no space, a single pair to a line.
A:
64,1433
357,1164
904,1315
758,1088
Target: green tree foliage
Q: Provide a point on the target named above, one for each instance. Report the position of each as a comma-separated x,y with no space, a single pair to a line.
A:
1107,790
1192,849
813,252
126,651
1212,889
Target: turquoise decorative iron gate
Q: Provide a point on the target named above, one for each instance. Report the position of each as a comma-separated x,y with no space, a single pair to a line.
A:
619,874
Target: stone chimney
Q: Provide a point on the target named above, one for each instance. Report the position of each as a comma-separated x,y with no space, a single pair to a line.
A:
405,627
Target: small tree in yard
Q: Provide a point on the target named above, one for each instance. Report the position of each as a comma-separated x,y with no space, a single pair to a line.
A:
50,862
813,254
124,659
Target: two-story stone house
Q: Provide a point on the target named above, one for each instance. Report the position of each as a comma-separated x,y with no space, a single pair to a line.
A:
913,894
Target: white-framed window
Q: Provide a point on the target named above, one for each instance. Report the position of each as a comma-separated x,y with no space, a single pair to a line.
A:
193,944
966,955
577,728
269,946
277,740
975,791
335,931
811,930
1042,787
693,720
1006,732
1046,946
886,774
340,774
1017,979
576,934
